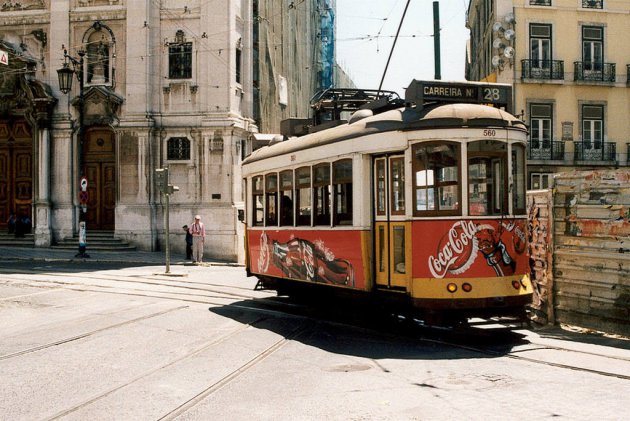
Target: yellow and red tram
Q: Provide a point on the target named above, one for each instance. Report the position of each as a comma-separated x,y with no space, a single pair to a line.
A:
422,206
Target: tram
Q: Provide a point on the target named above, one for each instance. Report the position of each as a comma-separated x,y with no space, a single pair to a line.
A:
418,204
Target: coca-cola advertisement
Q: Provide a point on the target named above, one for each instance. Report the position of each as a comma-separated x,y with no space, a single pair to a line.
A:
467,248
309,256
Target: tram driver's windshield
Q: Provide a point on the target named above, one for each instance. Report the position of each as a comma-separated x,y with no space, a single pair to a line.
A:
487,192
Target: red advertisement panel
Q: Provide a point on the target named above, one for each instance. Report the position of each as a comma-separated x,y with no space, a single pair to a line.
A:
469,248
328,257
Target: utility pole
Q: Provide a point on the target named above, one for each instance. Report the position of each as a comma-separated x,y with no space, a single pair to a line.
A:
436,40
163,185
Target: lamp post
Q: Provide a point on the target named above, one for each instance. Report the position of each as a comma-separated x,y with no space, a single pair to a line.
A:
66,75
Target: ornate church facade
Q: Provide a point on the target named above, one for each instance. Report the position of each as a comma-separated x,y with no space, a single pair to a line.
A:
157,83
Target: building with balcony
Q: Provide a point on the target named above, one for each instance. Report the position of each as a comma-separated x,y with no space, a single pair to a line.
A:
569,67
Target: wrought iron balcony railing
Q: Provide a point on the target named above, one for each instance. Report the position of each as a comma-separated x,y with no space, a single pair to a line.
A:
595,151
543,69
540,2
595,71
593,4
545,150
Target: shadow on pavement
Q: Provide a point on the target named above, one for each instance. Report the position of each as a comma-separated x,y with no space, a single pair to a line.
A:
363,335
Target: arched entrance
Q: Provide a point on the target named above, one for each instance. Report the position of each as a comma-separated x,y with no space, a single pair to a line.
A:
100,169
16,169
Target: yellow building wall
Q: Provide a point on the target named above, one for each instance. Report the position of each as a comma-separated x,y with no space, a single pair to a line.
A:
567,20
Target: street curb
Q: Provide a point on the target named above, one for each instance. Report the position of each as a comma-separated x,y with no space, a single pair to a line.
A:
118,261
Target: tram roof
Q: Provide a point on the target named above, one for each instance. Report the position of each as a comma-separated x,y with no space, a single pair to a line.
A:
402,119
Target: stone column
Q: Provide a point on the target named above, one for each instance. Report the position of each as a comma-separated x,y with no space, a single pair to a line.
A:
41,202
62,164
62,167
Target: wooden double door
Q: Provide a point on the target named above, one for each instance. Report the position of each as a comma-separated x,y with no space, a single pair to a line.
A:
16,169
100,170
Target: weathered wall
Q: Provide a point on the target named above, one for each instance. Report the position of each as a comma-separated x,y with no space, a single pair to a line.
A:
591,279
540,215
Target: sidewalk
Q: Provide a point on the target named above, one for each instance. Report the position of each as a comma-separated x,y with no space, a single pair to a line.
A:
135,256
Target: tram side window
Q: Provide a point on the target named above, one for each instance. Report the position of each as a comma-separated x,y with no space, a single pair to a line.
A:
397,185
271,200
486,178
436,178
342,187
518,175
380,187
286,198
321,194
303,196
257,201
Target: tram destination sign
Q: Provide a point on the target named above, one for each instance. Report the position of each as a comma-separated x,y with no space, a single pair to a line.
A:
495,94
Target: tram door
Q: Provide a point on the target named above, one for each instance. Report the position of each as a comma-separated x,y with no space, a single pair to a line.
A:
392,233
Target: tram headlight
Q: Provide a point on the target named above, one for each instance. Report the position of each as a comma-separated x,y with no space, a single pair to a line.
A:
516,284
451,287
466,287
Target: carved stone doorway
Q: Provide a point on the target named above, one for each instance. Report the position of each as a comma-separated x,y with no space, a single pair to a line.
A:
100,169
16,169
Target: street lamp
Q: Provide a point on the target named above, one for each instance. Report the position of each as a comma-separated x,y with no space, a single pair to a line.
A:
66,75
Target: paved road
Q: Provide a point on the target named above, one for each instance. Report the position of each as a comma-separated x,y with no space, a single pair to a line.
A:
111,340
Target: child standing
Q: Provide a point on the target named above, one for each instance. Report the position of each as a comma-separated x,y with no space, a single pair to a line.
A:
189,243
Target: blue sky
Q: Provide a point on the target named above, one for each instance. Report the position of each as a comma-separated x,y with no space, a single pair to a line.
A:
366,30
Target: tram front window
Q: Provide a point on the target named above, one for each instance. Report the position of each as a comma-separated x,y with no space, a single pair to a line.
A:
436,181
486,178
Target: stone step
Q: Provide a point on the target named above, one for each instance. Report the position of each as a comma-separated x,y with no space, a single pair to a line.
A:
96,240
92,246
10,240
91,239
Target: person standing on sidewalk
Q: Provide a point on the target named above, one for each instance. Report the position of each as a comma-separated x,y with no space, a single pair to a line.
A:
198,232
189,242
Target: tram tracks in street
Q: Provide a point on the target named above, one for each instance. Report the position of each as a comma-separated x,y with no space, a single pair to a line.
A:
271,306
267,306
39,279
233,375
469,340
190,403
255,302
87,334
506,344
272,310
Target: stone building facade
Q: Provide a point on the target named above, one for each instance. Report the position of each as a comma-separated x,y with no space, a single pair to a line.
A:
294,58
166,83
